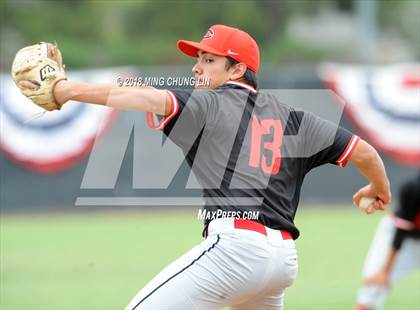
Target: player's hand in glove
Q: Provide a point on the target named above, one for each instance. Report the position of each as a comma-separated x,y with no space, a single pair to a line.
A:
36,70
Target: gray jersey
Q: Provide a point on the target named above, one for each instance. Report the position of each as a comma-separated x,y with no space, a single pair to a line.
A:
251,152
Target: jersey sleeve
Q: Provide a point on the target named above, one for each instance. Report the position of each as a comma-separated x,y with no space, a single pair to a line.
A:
190,111
326,142
162,121
407,216
399,237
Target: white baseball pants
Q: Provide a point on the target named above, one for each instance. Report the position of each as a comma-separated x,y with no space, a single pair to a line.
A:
407,260
240,268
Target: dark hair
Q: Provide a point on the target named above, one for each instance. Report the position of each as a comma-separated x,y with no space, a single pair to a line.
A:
249,77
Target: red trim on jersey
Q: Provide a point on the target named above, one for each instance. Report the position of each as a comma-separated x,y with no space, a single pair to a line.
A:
174,111
342,160
244,85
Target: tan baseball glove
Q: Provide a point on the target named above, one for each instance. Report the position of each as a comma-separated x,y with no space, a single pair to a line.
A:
41,64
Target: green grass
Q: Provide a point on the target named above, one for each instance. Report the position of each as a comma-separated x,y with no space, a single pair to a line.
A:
99,260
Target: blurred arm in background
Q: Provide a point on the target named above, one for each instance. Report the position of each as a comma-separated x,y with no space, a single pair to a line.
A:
406,222
394,251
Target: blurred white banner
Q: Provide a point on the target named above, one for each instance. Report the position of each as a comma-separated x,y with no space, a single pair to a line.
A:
57,140
383,103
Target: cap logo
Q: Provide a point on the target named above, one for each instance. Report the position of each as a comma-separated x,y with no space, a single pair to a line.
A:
232,52
209,34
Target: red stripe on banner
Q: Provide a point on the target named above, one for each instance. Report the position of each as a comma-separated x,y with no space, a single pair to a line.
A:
63,162
411,81
408,157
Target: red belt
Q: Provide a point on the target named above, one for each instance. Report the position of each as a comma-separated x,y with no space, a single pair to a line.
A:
255,226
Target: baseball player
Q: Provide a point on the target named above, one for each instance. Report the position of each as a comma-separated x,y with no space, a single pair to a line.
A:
395,250
249,152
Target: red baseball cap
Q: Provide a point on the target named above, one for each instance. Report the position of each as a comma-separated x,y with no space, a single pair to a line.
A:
225,41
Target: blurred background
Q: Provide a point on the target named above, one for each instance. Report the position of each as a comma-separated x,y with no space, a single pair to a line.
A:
110,33
367,51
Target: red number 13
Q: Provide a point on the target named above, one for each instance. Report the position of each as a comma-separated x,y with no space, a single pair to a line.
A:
266,127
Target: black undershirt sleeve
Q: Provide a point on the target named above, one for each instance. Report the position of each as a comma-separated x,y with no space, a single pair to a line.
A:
399,237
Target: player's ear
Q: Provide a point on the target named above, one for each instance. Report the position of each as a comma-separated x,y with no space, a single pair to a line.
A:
239,70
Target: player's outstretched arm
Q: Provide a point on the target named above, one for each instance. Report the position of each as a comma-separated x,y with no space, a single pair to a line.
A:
39,72
369,163
145,99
